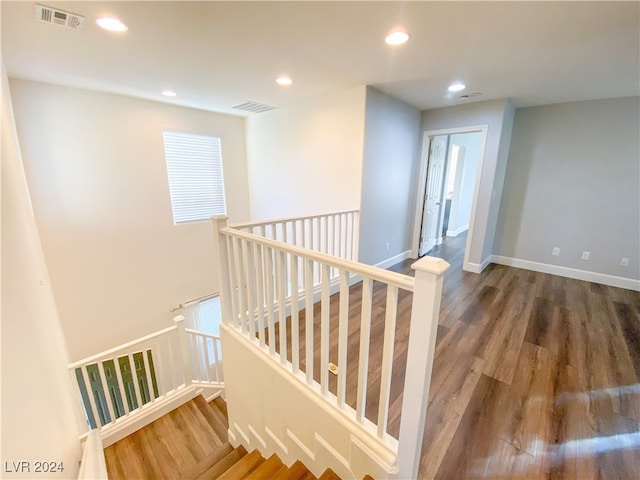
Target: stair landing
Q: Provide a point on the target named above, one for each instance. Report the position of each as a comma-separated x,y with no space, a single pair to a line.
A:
191,443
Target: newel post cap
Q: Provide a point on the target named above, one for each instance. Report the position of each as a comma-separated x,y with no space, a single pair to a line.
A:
432,265
179,319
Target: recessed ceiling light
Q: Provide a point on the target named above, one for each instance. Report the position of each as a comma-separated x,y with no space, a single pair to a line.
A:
396,38
284,81
169,93
456,87
111,24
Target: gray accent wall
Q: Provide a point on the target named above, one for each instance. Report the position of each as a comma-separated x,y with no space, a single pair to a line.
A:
391,152
573,182
498,116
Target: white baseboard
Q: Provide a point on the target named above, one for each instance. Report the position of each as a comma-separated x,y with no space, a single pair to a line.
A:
457,231
595,277
477,267
389,262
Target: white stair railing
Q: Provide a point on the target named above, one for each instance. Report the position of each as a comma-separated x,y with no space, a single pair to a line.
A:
121,387
269,285
332,233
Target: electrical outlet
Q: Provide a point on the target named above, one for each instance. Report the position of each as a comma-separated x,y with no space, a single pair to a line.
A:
586,255
386,246
333,368
624,262
555,251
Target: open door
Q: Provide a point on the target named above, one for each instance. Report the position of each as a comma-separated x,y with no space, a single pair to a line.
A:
432,208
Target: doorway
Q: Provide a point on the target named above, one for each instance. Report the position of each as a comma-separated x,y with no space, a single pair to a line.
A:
450,172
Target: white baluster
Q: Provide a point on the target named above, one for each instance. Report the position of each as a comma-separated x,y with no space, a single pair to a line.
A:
387,358
295,320
308,316
216,357
233,290
239,283
249,267
268,252
134,376
196,359
260,292
325,230
281,285
147,371
105,389
204,341
324,331
123,392
363,360
92,400
343,336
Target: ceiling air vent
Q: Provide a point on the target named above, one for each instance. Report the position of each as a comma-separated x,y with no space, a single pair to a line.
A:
254,107
59,17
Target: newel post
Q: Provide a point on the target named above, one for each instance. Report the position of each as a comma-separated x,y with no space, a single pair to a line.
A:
184,349
221,258
422,344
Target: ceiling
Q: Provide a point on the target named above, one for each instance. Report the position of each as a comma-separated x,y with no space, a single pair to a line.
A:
215,55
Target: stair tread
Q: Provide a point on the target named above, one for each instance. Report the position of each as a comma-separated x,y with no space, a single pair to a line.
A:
281,473
329,474
223,464
243,467
214,420
197,470
298,471
268,469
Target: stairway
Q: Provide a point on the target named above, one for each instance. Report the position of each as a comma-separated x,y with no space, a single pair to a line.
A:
191,443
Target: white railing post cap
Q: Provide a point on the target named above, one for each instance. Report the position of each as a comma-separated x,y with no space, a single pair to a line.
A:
179,318
219,218
433,265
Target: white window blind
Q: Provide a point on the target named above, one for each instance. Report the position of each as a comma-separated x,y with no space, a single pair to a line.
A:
194,168
210,316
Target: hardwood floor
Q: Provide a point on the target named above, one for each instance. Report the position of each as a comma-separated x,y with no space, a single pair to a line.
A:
535,376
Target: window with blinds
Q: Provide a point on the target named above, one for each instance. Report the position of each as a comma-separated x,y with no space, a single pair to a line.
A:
209,316
194,168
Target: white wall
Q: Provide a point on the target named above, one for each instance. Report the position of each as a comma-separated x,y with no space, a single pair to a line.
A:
391,153
307,158
96,169
498,115
465,179
39,420
573,182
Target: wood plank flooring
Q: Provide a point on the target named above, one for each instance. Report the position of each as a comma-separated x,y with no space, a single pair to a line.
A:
182,443
535,376
190,443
